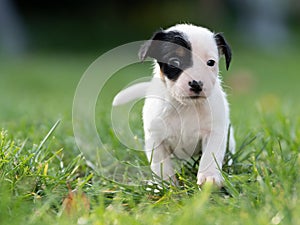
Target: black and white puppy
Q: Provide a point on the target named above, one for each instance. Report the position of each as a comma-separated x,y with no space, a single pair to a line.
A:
186,110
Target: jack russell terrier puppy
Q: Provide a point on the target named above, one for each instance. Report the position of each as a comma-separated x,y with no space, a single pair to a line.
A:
185,110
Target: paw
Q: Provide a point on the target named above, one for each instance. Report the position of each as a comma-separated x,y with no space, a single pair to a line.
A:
212,178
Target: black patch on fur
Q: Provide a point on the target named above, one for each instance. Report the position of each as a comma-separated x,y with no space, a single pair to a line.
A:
223,48
171,50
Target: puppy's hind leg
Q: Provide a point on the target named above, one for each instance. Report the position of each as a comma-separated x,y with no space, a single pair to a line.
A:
231,143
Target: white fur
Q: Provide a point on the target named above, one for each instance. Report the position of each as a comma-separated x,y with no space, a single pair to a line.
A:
176,125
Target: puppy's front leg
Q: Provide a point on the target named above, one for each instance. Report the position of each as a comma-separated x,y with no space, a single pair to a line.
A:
213,152
160,160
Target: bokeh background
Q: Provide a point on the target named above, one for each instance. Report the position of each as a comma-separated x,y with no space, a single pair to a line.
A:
94,26
45,47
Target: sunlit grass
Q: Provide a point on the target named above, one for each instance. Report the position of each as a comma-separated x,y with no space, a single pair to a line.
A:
40,162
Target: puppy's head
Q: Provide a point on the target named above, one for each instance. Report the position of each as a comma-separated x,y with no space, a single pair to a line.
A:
188,58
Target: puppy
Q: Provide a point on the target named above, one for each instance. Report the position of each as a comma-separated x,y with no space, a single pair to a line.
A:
185,110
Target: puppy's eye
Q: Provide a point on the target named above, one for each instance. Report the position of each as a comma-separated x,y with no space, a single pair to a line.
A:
174,62
210,62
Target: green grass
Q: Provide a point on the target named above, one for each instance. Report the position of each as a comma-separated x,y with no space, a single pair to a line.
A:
39,158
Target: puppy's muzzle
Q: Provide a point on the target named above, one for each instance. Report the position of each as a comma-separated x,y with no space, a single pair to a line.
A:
196,86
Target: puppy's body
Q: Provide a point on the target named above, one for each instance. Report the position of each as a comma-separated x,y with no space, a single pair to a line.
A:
186,110
172,128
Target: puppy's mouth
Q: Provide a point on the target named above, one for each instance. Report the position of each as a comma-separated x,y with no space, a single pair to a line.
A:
195,97
186,98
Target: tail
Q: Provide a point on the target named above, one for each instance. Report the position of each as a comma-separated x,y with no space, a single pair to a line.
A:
133,92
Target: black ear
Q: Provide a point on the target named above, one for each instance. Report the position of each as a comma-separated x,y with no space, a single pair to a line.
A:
223,48
150,47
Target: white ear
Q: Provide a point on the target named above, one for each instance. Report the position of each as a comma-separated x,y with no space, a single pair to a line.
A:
131,93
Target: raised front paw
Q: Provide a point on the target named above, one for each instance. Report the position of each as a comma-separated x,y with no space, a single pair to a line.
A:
210,177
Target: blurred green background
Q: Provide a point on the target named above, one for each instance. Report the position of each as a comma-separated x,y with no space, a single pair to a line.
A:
45,47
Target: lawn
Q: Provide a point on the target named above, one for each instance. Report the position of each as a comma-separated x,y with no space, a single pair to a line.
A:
40,163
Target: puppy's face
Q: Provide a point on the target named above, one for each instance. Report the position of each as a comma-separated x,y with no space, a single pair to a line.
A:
188,58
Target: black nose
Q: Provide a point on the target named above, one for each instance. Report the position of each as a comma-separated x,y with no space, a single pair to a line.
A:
196,86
